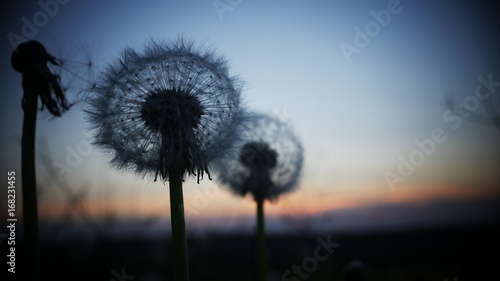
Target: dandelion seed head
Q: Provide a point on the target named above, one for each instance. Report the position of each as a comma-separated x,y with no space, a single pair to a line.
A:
269,161
158,112
258,155
171,106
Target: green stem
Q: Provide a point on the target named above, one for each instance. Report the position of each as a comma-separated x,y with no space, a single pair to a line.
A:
30,206
261,243
179,242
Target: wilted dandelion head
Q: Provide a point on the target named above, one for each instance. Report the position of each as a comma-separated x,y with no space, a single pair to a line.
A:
269,162
170,107
31,58
49,77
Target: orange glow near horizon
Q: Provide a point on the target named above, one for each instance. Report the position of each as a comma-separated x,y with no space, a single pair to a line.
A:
224,204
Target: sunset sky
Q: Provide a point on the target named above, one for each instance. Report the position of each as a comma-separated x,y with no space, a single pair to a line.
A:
360,113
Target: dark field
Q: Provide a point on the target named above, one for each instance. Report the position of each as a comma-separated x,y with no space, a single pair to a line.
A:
472,253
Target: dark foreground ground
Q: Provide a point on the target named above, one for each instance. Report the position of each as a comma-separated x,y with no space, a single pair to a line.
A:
469,253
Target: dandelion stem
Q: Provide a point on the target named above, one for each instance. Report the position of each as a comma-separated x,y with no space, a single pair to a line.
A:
181,266
261,243
30,206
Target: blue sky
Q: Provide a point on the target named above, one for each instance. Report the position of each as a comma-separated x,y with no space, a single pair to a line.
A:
354,118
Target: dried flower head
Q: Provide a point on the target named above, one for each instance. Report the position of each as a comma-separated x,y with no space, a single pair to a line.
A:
30,58
171,107
53,78
269,162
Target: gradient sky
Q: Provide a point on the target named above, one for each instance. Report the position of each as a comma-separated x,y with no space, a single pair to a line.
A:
355,118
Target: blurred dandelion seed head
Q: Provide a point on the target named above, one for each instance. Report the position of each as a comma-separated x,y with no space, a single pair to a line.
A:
173,106
258,155
269,163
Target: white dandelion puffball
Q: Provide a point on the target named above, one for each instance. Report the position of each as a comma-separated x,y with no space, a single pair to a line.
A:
170,108
269,161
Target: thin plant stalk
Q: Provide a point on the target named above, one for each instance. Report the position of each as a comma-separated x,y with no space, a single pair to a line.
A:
30,58
28,175
179,240
261,243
